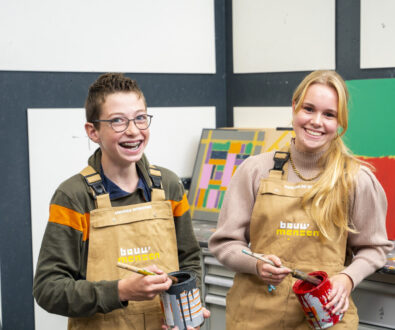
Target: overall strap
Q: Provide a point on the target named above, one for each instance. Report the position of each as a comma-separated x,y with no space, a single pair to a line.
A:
157,193
94,182
280,159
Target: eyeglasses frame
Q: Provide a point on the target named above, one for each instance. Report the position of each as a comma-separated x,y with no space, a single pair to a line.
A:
127,126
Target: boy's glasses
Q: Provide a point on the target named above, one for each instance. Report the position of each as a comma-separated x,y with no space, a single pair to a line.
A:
121,124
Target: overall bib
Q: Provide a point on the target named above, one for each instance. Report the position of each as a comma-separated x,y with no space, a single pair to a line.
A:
139,235
280,226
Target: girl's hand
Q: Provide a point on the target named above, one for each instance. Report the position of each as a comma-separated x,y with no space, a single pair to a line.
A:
206,315
270,274
341,289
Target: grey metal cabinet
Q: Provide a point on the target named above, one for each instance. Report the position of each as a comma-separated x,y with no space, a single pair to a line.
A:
217,281
375,300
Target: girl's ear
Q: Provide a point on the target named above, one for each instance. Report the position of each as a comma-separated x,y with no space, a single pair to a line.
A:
92,132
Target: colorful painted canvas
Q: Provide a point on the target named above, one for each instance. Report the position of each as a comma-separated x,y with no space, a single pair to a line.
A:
371,133
220,152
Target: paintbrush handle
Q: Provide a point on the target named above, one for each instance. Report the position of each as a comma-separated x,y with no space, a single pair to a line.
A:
135,269
143,271
259,257
295,273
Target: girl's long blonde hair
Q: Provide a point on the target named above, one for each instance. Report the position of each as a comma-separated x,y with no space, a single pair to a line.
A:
329,199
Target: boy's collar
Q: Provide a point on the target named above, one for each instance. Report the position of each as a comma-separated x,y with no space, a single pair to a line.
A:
116,192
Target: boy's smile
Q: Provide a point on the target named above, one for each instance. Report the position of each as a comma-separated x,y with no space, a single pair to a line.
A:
121,149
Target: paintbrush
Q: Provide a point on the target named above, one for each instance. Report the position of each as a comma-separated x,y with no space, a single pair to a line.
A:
143,271
294,272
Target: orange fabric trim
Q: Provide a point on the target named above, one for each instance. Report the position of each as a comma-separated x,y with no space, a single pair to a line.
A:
65,216
179,208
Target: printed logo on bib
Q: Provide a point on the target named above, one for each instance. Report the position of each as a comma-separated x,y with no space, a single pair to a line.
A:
137,254
299,186
135,209
292,229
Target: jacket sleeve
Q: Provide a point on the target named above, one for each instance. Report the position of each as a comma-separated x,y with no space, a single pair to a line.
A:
59,283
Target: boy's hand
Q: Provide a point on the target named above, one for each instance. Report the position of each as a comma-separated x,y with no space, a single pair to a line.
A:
137,287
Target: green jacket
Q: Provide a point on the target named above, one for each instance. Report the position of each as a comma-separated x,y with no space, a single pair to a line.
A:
60,284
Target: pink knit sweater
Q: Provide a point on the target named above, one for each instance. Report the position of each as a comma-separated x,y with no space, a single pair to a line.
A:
370,246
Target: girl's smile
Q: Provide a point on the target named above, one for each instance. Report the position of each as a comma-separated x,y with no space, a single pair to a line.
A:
315,122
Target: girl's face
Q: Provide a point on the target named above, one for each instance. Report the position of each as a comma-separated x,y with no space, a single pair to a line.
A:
316,123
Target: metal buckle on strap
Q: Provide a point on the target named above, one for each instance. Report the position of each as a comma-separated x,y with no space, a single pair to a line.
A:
280,158
156,181
97,186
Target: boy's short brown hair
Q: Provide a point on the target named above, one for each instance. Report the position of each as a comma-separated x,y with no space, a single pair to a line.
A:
106,84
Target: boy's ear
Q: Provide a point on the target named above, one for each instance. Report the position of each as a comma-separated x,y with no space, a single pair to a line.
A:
92,132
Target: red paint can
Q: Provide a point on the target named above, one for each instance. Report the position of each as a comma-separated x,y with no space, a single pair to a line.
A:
313,300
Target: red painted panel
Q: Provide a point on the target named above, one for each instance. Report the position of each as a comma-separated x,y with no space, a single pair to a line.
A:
385,173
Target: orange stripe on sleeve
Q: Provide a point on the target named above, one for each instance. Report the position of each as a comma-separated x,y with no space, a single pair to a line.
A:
179,208
65,216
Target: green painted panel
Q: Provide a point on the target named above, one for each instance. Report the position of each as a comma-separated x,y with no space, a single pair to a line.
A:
205,197
221,146
371,130
248,148
221,199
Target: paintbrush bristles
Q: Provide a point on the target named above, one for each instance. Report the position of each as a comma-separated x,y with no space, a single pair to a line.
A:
305,277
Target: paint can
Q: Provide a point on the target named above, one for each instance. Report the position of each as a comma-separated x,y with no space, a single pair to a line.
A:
313,300
181,304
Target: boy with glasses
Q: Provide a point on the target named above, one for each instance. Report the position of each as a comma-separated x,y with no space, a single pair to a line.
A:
118,209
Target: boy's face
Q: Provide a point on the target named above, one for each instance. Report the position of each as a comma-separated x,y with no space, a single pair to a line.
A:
120,149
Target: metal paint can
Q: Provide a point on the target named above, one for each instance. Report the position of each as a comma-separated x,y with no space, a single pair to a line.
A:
313,300
181,304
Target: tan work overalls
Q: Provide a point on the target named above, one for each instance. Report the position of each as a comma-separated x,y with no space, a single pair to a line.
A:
280,226
139,235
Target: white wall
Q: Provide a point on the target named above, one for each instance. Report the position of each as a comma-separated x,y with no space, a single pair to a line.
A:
377,34
256,117
283,35
174,36
58,148
175,136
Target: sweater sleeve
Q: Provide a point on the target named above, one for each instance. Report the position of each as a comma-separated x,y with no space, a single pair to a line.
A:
233,229
370,244
59,284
